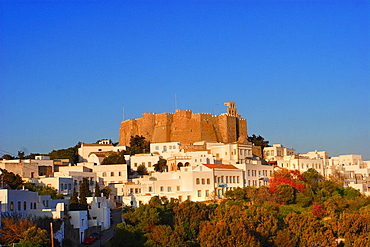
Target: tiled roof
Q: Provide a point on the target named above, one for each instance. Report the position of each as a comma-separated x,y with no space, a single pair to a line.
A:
102,154
220,166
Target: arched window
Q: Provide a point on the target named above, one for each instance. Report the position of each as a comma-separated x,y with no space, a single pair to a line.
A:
197,181
187,164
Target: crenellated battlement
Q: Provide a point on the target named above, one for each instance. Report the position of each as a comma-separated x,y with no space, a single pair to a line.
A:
184,126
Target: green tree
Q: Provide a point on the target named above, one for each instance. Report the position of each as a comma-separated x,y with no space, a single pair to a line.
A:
114,158
84,191
141,170
286,193
69,153
304,230
7,157
161,165
106,191
12,180
21,155
42,190
74,196
97,190
139,145
258,141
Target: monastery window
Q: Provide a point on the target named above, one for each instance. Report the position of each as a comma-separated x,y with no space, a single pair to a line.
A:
226,179
249,172
164,148
208,181
207,192
222,179
24,205
19,206
161,188
112,174
237,179
259,173
119,174
199,193
170,147
203,181
197,181
169,189
150,188
219,180
34,205
249,183
319,166
233,179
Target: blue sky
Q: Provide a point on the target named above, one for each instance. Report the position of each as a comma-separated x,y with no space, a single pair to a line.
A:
297,70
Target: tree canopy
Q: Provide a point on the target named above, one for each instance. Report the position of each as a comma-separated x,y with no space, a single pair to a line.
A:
294,210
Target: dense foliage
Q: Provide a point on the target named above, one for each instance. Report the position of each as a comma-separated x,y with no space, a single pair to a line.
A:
115,158
295,210
42,190
138,145
27,232
258,141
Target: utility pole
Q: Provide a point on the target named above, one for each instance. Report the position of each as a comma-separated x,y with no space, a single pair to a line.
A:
51,234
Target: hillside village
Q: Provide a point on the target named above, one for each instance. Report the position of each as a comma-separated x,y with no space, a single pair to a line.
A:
195,157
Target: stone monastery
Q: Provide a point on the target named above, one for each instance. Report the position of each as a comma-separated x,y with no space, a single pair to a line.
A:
187,127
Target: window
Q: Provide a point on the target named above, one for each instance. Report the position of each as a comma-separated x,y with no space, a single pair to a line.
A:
227,179
222,179
237,179
19,206
208,181
207,192
197,181
104,175
149,164
11,206
169,189
25,205
178,188
156,148
112,174
131,191
135,164
150,188
99,204
199,193
161,188
119,174
203,181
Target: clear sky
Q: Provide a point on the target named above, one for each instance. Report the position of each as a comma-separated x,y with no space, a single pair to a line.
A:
299,71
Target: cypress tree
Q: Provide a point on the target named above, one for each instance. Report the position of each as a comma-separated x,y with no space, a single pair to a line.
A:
74,196
97,190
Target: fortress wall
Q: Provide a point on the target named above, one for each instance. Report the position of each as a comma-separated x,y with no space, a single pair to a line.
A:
162,127
185,127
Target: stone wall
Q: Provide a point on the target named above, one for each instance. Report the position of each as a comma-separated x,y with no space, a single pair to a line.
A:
185,127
